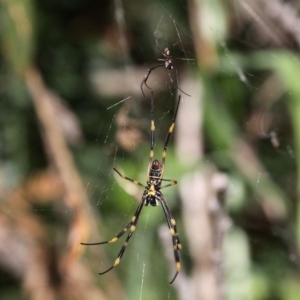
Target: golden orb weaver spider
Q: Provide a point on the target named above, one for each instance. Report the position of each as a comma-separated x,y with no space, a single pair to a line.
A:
152,195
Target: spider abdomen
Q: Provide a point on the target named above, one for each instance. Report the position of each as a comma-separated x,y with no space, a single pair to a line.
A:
152,195
151,200
169,64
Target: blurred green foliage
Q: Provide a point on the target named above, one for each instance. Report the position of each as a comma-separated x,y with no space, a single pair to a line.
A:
67,40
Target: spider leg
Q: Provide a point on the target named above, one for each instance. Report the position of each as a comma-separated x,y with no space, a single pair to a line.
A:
168,137
172,81
171,224
182,90
128,225
127,178
185,59
172,183
158,47
132,225
144,81
114,239
168,180
175,238
152,136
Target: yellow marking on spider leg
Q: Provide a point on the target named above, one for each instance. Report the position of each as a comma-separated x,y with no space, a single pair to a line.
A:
113,240
164,154
173,222
179,247
135,182
151,154
178,266
132,228
133,219
171,128
172,232
152,126
117,261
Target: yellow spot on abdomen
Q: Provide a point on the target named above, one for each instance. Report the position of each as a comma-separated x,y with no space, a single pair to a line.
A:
151,191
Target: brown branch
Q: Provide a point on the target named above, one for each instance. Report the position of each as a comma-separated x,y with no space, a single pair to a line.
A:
204,219
74,192
274,20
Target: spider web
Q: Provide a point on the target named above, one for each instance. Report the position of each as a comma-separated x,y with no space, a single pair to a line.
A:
233,151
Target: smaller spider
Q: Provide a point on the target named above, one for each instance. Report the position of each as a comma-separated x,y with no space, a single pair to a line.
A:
152,195
168,64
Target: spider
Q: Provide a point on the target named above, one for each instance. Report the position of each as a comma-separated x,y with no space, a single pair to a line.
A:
168,64
152,195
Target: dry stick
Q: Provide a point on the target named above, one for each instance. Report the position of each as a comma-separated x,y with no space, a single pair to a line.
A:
203,216
199,195
284,14
205,223
276,19
60,156
28,235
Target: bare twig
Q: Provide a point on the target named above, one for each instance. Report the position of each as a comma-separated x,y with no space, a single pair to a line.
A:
278,19
205,224
203,216
74,193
